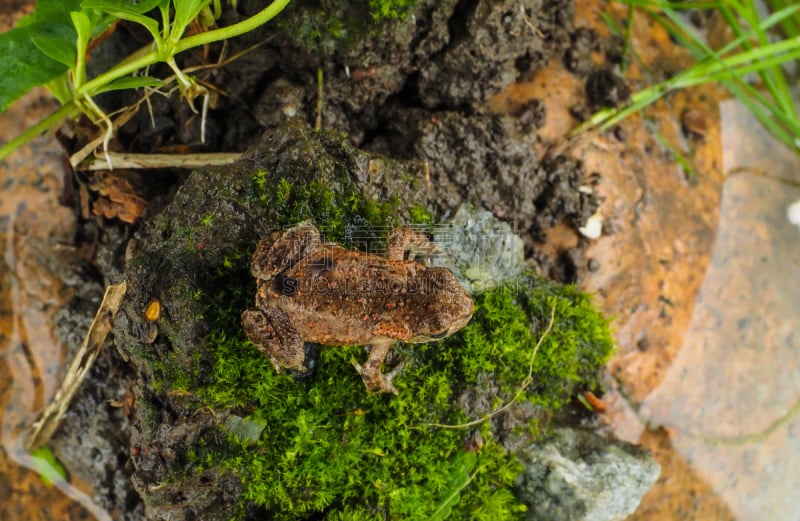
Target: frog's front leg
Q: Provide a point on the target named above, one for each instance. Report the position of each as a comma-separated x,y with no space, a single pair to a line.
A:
403,239
374,380
273,334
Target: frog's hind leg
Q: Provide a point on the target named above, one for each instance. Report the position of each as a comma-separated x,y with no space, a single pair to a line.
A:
374,380
274,256
273,334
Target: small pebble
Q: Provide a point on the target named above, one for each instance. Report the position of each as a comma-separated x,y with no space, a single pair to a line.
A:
593,228
153,310
793,213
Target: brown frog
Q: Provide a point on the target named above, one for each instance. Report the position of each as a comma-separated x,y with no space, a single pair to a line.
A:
310,291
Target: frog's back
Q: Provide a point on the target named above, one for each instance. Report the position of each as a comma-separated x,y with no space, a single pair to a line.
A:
339,296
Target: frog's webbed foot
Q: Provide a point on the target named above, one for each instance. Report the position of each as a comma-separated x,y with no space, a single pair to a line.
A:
273,334
374,380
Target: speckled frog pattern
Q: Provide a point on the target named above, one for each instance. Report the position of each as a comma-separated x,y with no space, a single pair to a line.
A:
310,291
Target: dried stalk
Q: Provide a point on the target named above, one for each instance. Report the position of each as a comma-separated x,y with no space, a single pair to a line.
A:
43,429
127,160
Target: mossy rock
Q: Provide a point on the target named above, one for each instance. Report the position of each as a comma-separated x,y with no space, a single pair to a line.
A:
218,434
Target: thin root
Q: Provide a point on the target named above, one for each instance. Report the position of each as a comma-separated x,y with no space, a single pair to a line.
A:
526,382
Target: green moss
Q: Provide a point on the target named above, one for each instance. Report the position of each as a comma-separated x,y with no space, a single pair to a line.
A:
390,9
330,449
421,214
326,27
500,341
333,207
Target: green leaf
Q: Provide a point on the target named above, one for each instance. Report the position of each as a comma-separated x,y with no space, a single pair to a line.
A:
59,49
60,87
131,82
26,20
54,36
55,10
132,7
49,468
104,21
130,11
83,27
459,479
24,66
185,12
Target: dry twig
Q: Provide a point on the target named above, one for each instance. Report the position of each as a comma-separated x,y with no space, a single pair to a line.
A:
127,160
44,428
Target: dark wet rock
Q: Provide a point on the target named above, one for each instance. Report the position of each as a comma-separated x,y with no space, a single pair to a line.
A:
413,88
444,55
93,440
489,160
281,99
207,494
483,159
493,40
362,64
215,214
579,475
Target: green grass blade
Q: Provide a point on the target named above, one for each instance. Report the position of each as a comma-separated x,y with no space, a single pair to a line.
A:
461,477
749,52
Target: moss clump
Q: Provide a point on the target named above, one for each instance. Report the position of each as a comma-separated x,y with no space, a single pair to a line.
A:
328,27
499,341
335,208
390,9
330,449
421,215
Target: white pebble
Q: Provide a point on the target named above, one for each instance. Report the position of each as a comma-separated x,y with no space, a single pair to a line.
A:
793,213
593,228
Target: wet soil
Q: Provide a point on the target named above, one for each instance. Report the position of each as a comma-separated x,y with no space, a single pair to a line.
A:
416,91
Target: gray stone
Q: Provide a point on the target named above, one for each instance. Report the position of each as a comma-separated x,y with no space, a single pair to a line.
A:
575,475
483,251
